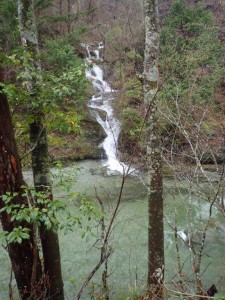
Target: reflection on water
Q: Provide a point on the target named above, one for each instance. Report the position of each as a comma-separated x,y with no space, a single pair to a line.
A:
128,264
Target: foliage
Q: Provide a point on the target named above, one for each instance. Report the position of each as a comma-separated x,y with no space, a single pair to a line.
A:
60,53
129,82
64,122
41,4
86,210
14,93
8,25
133,55
113,33
64,179
191,55
219,296
134,90
56,93
69,84
41,209
116,43
66,18
16,235
189,21
131,123
191,68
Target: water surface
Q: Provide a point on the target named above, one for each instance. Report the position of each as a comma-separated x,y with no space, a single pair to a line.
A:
128,263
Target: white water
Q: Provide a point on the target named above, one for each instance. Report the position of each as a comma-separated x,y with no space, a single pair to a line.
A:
102,110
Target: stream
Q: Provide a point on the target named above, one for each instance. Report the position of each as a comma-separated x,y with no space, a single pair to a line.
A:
128,263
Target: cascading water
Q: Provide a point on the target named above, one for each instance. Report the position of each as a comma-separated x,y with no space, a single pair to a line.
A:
102,110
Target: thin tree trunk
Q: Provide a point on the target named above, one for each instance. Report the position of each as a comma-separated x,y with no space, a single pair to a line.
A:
40,163
11,180
155,186
60,14
42,183
68,23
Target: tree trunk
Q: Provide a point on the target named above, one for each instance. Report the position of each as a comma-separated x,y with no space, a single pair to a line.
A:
155,186
40,163
11,179
42,183
68,22
60,14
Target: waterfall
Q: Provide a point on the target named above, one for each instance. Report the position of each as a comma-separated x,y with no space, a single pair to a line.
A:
102,110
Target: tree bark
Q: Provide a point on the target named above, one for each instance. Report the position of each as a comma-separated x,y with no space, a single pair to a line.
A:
42,183
11,179
155,185
40,163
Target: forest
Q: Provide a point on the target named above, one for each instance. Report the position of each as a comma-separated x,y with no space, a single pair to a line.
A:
112,149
